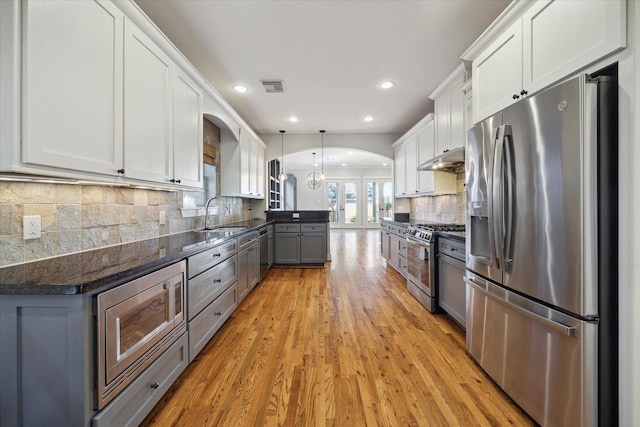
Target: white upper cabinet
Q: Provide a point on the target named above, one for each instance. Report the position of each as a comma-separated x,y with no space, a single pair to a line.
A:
93,91
449,112
411,164
148,100
72,106
426,149
546,41
560,37
400,171
497,73
187,131
242,164
412,149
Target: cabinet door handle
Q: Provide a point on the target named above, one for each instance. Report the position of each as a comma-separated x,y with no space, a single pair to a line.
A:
120,171
523,92
154,385
516,96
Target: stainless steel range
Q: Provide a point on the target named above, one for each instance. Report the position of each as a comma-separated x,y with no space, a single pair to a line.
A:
421,261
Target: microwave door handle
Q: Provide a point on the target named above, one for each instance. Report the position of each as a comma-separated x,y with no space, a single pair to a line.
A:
496,217
510,198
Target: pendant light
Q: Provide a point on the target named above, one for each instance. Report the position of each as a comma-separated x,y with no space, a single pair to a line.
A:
313,179
283,175
322,131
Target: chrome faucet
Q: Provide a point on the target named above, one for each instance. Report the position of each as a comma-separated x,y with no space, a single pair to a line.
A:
206,210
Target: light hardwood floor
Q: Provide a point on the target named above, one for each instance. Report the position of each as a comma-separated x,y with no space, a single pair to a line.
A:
344,345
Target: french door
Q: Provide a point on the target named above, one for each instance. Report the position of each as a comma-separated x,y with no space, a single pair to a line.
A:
379,202
342,196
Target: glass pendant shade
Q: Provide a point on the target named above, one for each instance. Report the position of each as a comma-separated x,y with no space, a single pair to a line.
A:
283,175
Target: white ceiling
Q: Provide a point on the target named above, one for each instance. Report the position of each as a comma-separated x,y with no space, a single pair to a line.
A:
330,54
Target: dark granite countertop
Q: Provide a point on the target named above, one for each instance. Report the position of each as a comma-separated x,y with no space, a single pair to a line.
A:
453,235
298,216
103,268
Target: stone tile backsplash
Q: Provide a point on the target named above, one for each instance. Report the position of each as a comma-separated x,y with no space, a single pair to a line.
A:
77,218
450,209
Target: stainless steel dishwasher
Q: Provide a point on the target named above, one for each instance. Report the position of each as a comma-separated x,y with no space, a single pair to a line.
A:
452,291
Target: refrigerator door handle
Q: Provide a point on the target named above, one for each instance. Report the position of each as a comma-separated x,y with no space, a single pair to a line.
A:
563,329
496,203
507,207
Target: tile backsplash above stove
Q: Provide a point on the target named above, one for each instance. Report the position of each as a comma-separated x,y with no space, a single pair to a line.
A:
446,209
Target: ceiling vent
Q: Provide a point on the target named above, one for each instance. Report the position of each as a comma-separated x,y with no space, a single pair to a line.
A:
273,86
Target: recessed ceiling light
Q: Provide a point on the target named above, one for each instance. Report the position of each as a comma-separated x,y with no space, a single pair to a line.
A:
350,152
387,84
384,164
344,164
240,88
368,119
293,119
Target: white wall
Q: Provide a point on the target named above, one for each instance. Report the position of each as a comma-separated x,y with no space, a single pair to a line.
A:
379,143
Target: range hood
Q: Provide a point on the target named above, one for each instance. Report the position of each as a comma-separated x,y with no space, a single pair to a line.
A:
445,162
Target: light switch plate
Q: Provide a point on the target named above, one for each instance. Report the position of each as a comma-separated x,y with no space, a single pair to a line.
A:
31,225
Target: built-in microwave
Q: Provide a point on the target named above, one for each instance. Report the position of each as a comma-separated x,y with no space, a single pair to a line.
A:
136,322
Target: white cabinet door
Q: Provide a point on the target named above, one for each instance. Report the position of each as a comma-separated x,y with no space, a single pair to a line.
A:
560,37
442,117
411,163
148,96
245,163
187,131
72,85
457,134
426,150
399,170
497,73
260,170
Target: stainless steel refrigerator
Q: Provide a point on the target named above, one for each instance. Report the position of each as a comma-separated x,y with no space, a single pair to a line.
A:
541,184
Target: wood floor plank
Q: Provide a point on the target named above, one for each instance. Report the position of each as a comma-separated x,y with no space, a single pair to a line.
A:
343,345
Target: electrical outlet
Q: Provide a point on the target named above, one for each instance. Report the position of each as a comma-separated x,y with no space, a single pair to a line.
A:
163,218
31,227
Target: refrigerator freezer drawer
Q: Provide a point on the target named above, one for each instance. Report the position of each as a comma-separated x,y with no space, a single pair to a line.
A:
546,366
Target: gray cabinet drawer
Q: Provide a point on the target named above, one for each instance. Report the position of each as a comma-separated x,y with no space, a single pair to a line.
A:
248,239
287,228
208,286
207,259
138,399
207,323
318,228
451,248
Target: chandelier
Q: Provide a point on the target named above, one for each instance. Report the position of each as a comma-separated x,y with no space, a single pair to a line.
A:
314,181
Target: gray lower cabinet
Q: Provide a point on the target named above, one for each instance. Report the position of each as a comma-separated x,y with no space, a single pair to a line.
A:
301,243
248,264
48,366
206,324
212,292
47,369
134,403
393,246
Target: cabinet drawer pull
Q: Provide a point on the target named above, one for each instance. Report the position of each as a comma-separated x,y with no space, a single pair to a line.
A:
217,280
154,385
217,313
217,255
